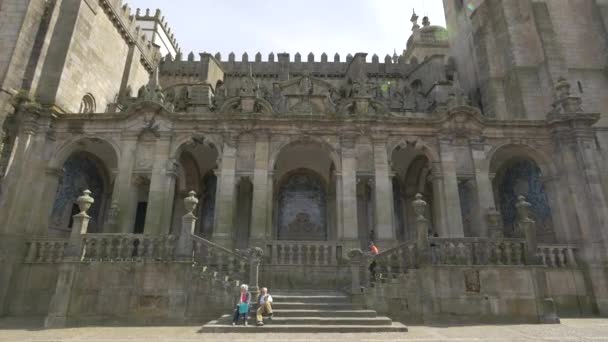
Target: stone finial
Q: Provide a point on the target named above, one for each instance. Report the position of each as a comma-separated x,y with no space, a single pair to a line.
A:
355,255
190,203
245,57
297,57
388,59
168,58
258,57
179,57
85,202
349,58
395,57
324,58
414,21
271,57
375,59
218,57
231,57
191,57
419,207
523,209
426,22
337,58
311,57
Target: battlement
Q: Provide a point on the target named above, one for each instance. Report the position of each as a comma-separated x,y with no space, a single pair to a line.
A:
274,64
125,21
157,17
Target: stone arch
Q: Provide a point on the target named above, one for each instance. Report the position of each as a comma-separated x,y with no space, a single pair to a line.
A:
419,145
194,139
520,170
88,104
82,170
309,160
412,168
197,160
105,149
325,146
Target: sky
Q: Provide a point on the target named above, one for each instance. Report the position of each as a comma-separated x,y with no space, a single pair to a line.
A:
304,26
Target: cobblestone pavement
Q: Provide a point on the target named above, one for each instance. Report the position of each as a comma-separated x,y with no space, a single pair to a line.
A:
569,330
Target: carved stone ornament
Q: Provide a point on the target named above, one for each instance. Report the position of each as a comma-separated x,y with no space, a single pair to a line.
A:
190,203
85,202
419,207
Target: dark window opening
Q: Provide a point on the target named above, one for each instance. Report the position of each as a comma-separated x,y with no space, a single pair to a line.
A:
140,217
75,211
580,87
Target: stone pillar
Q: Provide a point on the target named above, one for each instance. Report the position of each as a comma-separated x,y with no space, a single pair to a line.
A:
450,188
40,223
383,194
255,255
562,222
439,206
124,191
162,189
422,230
226,194
60,302
188,228
526,227
485,192
259,205
348,193
355,257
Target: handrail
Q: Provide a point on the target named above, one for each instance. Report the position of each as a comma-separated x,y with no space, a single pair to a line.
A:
216,246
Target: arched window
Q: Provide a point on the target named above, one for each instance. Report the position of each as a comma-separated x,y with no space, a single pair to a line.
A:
88,105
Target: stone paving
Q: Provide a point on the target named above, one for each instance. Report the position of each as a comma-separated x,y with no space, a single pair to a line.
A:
570,330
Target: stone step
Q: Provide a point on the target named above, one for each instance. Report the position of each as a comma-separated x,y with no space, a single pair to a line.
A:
310,299
331,321
212,327
324,313
311,306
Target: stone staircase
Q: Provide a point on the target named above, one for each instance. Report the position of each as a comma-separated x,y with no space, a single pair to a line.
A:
309,312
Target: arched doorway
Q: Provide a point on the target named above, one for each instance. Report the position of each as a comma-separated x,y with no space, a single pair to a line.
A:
412,175
197,162
81,171
304,192
521,175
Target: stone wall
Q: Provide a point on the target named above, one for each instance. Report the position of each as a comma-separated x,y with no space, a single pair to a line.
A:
500,294
299,277
125,293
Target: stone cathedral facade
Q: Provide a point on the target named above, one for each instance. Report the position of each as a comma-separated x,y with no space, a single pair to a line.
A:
498,124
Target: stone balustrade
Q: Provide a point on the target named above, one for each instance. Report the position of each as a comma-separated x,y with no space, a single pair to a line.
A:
127,247
558,255
396,260
477,251
315,253
45,250
216,258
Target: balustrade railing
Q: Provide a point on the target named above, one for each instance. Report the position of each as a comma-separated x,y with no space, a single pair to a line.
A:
45,250
477,251
216,258
558,255
315,253
395,261
127,247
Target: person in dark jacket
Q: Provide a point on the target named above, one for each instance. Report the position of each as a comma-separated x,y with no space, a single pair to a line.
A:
243,302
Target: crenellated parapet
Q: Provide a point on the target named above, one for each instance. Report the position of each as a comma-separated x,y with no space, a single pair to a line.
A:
356,85
122,17
141,15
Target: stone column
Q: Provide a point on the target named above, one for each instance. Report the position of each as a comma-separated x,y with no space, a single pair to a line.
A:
60,302
439,206
450,188
383,191
124,191
485,192
562,222
162,189
259,205
348,195
226,194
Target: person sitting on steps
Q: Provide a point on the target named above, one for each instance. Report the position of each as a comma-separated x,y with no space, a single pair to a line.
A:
265,306
242,306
